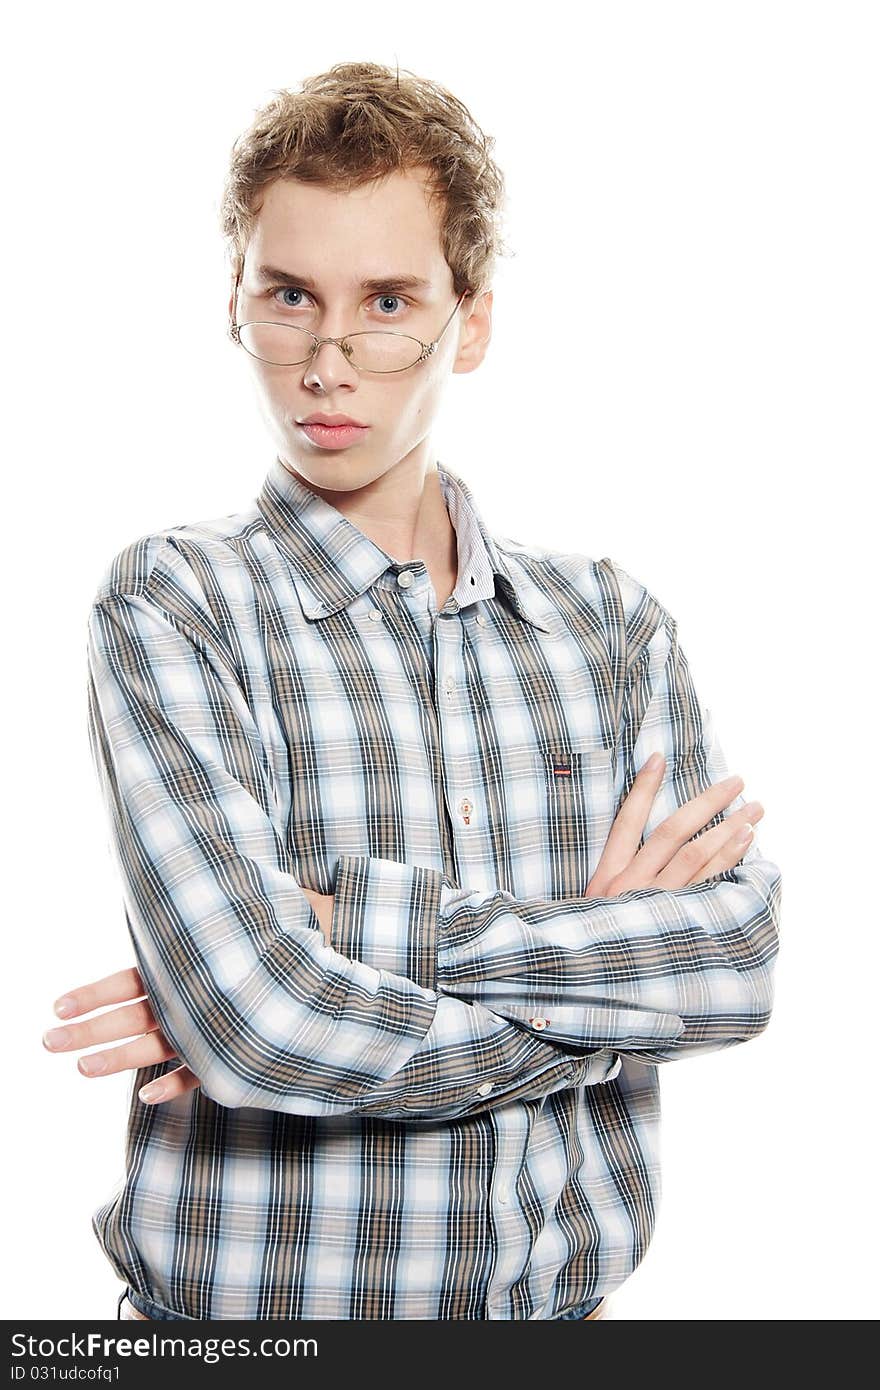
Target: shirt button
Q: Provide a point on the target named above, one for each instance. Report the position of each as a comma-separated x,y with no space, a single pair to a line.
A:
405,578
485,1089
376,615
502,1192
481,620
539,1023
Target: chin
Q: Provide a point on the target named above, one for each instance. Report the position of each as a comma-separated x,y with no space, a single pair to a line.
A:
334,470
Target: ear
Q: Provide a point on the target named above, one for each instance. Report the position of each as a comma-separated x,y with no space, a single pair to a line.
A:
476,334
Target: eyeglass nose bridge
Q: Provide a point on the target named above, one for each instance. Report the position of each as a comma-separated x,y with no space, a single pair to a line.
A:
317,343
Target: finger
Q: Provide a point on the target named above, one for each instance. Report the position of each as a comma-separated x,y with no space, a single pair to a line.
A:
179,1081
716,841
676,830
173,1083
143,1052
728,856
112,989
691,863
106,1027
626,832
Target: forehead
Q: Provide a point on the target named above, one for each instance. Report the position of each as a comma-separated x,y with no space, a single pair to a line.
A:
343,233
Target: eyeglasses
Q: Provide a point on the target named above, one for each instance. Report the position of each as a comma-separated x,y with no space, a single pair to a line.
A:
376,350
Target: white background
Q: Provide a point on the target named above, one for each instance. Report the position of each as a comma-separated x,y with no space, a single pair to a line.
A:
683,376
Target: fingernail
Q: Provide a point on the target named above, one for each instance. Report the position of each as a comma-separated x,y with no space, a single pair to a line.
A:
56,1037
655,761
93,1066
65,1006
155,1091
745,835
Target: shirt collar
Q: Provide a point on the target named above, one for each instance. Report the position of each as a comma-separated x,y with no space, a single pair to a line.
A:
333,561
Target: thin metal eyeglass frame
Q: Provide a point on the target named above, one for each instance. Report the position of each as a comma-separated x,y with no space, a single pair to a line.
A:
427,348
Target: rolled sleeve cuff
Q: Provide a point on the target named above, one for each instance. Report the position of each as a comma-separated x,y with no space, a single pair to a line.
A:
385,915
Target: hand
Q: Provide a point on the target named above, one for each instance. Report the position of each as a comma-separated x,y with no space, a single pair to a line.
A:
322,906
669,857
144,1051
121,988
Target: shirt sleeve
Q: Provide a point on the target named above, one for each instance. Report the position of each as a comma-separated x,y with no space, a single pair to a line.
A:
654,974
230,951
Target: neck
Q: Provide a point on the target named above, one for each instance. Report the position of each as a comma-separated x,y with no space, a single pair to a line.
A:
403,512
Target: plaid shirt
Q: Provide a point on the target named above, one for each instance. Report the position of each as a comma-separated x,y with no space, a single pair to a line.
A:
452,1110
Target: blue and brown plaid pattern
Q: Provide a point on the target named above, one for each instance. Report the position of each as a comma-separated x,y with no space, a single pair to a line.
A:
452,1111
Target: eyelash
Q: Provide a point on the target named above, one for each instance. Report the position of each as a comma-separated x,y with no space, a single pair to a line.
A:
383,294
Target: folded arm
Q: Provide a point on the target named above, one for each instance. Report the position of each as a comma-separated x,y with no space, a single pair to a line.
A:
229,949
655,974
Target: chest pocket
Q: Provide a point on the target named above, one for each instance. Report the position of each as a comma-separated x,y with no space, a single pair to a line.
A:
576,793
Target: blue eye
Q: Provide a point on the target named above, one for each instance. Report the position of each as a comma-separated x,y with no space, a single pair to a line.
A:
295,289
288,289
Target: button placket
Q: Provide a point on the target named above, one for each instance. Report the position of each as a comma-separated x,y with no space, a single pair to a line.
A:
464,799
514,1234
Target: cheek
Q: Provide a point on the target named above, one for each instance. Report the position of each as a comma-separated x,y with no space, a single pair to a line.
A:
424,398
271,389
397,406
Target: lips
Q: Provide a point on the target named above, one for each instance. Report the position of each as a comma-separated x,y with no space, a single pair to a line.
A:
333,421
333,436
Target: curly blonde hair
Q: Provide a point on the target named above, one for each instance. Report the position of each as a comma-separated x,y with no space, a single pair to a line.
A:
357,122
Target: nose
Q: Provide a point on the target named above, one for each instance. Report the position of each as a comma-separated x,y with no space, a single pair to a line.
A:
330,366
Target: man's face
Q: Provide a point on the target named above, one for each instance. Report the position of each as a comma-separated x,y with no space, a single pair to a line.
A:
334,241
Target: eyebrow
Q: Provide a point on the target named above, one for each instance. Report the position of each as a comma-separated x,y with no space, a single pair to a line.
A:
270,273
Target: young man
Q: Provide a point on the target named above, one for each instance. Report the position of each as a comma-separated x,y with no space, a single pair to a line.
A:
378,784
